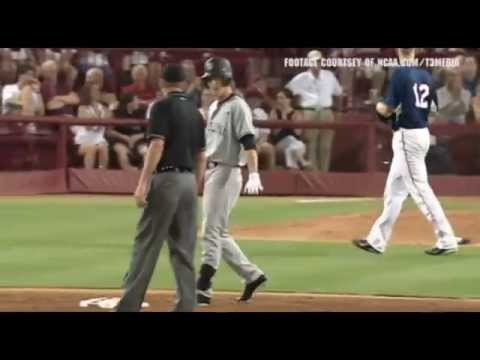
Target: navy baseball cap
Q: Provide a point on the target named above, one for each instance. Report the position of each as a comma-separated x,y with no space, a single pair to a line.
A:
174,73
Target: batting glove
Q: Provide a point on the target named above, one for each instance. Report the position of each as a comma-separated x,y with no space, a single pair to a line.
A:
253,185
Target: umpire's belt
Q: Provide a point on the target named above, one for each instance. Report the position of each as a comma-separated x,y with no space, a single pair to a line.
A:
214,164
177,169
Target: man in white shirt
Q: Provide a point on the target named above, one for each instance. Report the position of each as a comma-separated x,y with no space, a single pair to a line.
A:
11,94
316,88
23,97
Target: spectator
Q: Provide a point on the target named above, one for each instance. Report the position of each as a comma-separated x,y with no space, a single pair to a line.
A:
139,58
23,98
207,99
317,87
440,73
260,89
154,75
125,75
140,87
469,71
13,94
108,98
86,60
453,99
24,56
194,83
128,142
67,73
375,75
57,91
265,149
8,67
439,77
91,139
288,140
476,105
346,75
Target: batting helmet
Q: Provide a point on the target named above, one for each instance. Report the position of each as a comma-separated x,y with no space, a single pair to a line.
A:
218,68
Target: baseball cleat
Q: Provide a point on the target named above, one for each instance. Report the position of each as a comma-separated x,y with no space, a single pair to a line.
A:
465,241
203,300
364,245
436,251
251,287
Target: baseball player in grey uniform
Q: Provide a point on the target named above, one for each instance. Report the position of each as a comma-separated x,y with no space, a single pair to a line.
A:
230,145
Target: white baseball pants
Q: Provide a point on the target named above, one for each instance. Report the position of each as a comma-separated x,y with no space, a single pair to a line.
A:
408,175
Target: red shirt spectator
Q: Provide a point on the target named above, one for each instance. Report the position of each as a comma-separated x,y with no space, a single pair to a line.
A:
140,87
143,92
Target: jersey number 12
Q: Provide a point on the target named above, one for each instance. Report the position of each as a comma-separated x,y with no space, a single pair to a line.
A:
421,93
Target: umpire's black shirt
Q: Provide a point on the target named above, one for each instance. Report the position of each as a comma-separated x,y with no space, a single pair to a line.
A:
178,122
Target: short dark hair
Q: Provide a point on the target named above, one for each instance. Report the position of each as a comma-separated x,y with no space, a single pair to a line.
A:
223,81
174,73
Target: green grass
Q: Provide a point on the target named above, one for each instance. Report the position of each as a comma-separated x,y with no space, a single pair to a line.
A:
86,242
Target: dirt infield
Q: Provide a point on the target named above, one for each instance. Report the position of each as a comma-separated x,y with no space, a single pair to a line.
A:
411,228
67,300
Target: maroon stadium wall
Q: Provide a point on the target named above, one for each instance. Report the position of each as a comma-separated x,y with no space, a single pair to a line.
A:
280,183
33,182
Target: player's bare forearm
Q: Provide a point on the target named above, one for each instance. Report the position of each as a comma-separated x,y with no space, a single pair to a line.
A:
200,168
154,154
252,161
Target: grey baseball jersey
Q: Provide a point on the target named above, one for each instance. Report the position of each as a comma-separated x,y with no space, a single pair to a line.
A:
228,122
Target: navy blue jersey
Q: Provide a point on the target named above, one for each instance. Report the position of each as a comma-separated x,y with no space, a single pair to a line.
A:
411,88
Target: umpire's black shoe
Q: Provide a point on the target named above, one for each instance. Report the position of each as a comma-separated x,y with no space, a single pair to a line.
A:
364,245
203,299
465,241
251,287
436,251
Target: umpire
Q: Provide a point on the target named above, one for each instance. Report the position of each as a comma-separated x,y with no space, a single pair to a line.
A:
167,192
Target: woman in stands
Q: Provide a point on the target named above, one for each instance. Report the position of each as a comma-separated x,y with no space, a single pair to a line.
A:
128,142
91,139
287,140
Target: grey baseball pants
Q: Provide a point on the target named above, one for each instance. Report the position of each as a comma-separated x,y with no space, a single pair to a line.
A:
223,185
170,214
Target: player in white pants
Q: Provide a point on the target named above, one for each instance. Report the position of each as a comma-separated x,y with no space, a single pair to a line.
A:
230,144
412,93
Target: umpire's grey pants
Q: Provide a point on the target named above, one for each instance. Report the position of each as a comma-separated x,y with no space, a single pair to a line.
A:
223,185
171,214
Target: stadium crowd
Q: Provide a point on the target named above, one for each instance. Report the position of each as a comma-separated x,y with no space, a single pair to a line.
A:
92,84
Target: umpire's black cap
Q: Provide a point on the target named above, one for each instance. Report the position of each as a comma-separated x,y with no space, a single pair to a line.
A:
174,73
218,68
